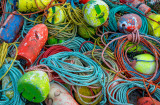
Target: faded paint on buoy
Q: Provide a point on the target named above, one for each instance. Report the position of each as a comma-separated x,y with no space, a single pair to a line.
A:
59,96
147,101
95,12
33,43
56,15
129,22
11,27
30,5
34,86
139,5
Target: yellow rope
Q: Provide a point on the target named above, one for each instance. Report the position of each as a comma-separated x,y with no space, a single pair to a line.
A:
4,52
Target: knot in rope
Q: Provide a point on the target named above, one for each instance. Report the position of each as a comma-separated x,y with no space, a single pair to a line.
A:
134,37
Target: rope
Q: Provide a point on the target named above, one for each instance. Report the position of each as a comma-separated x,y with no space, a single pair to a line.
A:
120,92
96,55
14,74
53,50
123,8
121,55
4,48
87,74
6,7
75,45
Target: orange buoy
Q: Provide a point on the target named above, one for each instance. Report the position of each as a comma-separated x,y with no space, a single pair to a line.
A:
32,44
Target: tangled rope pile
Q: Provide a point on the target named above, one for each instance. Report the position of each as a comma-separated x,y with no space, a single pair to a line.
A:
92,73
95,64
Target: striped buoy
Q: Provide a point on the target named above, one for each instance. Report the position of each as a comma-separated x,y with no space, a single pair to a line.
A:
95,12
56,15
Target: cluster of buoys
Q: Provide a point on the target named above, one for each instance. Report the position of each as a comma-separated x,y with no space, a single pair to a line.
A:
79,52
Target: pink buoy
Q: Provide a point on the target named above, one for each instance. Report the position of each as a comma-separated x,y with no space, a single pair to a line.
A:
129,22
139,4
59,96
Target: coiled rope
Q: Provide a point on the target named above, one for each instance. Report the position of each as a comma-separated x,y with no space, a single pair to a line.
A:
3,54
120,92
53,50
14,75
72,74
123,60
75,45
123,8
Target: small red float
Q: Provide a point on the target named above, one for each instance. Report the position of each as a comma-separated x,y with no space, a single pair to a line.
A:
147,101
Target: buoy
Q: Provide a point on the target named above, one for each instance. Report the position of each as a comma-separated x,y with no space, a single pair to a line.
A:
32,44
129,22
140,5
11,27
138,48
153,26
95,12
84,33
83,90
30,5
5,81
147,101
56,15
53,40
34,86
84,1
59,96
145,63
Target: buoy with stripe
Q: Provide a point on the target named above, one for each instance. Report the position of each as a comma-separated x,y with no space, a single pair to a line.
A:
95,12
56,15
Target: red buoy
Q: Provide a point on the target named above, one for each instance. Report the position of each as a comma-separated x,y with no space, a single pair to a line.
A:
84,1
32,44
139,4
129,22
147,101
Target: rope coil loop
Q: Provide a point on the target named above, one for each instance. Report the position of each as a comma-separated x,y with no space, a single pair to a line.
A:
87,73
121,55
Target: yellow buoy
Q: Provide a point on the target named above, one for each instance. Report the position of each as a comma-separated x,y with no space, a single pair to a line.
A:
56,15
87,92
153,26
30,5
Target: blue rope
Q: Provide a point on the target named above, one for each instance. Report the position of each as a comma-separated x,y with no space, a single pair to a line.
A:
76,43
14,75
123,8
117,94
70,73
27,26
72,2
129,68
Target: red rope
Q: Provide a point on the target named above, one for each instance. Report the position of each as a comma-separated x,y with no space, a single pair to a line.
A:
53,50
